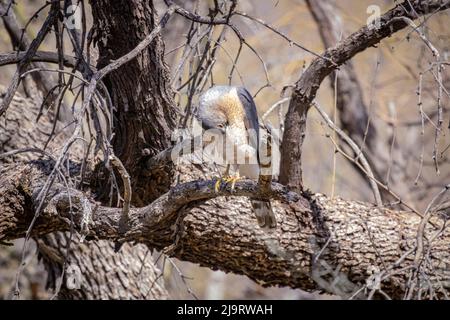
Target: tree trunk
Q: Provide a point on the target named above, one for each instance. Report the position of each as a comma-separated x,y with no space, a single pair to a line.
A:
141,95
104,273
145,111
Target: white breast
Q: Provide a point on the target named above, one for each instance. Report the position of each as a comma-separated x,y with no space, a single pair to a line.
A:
234,149
241,153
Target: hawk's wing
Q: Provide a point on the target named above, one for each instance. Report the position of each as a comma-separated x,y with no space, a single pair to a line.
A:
261,207
251,121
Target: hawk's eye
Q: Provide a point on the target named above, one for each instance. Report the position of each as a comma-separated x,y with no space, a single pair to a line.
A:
222,125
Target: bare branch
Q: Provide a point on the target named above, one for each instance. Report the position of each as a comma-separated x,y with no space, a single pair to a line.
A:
356,150
31,50
21,41
42,56
307,86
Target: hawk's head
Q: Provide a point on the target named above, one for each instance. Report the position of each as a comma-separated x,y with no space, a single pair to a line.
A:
228,106
214,108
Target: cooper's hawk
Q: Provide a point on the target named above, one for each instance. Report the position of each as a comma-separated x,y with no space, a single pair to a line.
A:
230,113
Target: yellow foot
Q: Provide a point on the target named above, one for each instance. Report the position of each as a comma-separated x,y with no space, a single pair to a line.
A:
228,179
217,185
233,181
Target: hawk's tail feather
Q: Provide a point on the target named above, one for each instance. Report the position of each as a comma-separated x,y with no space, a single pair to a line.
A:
264,213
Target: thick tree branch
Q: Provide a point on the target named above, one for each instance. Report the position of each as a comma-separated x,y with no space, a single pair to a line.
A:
313,231
39,56
306,87
104,224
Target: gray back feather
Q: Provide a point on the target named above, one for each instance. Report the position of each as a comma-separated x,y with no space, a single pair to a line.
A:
252,115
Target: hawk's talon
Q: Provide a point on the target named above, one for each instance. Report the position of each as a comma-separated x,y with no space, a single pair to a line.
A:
226,180
233,181
217,185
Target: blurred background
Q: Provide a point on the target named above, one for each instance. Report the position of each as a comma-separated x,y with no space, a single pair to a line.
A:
389,76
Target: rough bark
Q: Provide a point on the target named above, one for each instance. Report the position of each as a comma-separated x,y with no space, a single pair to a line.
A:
306,87
139,90
104,273
141,94
315,232
94,271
